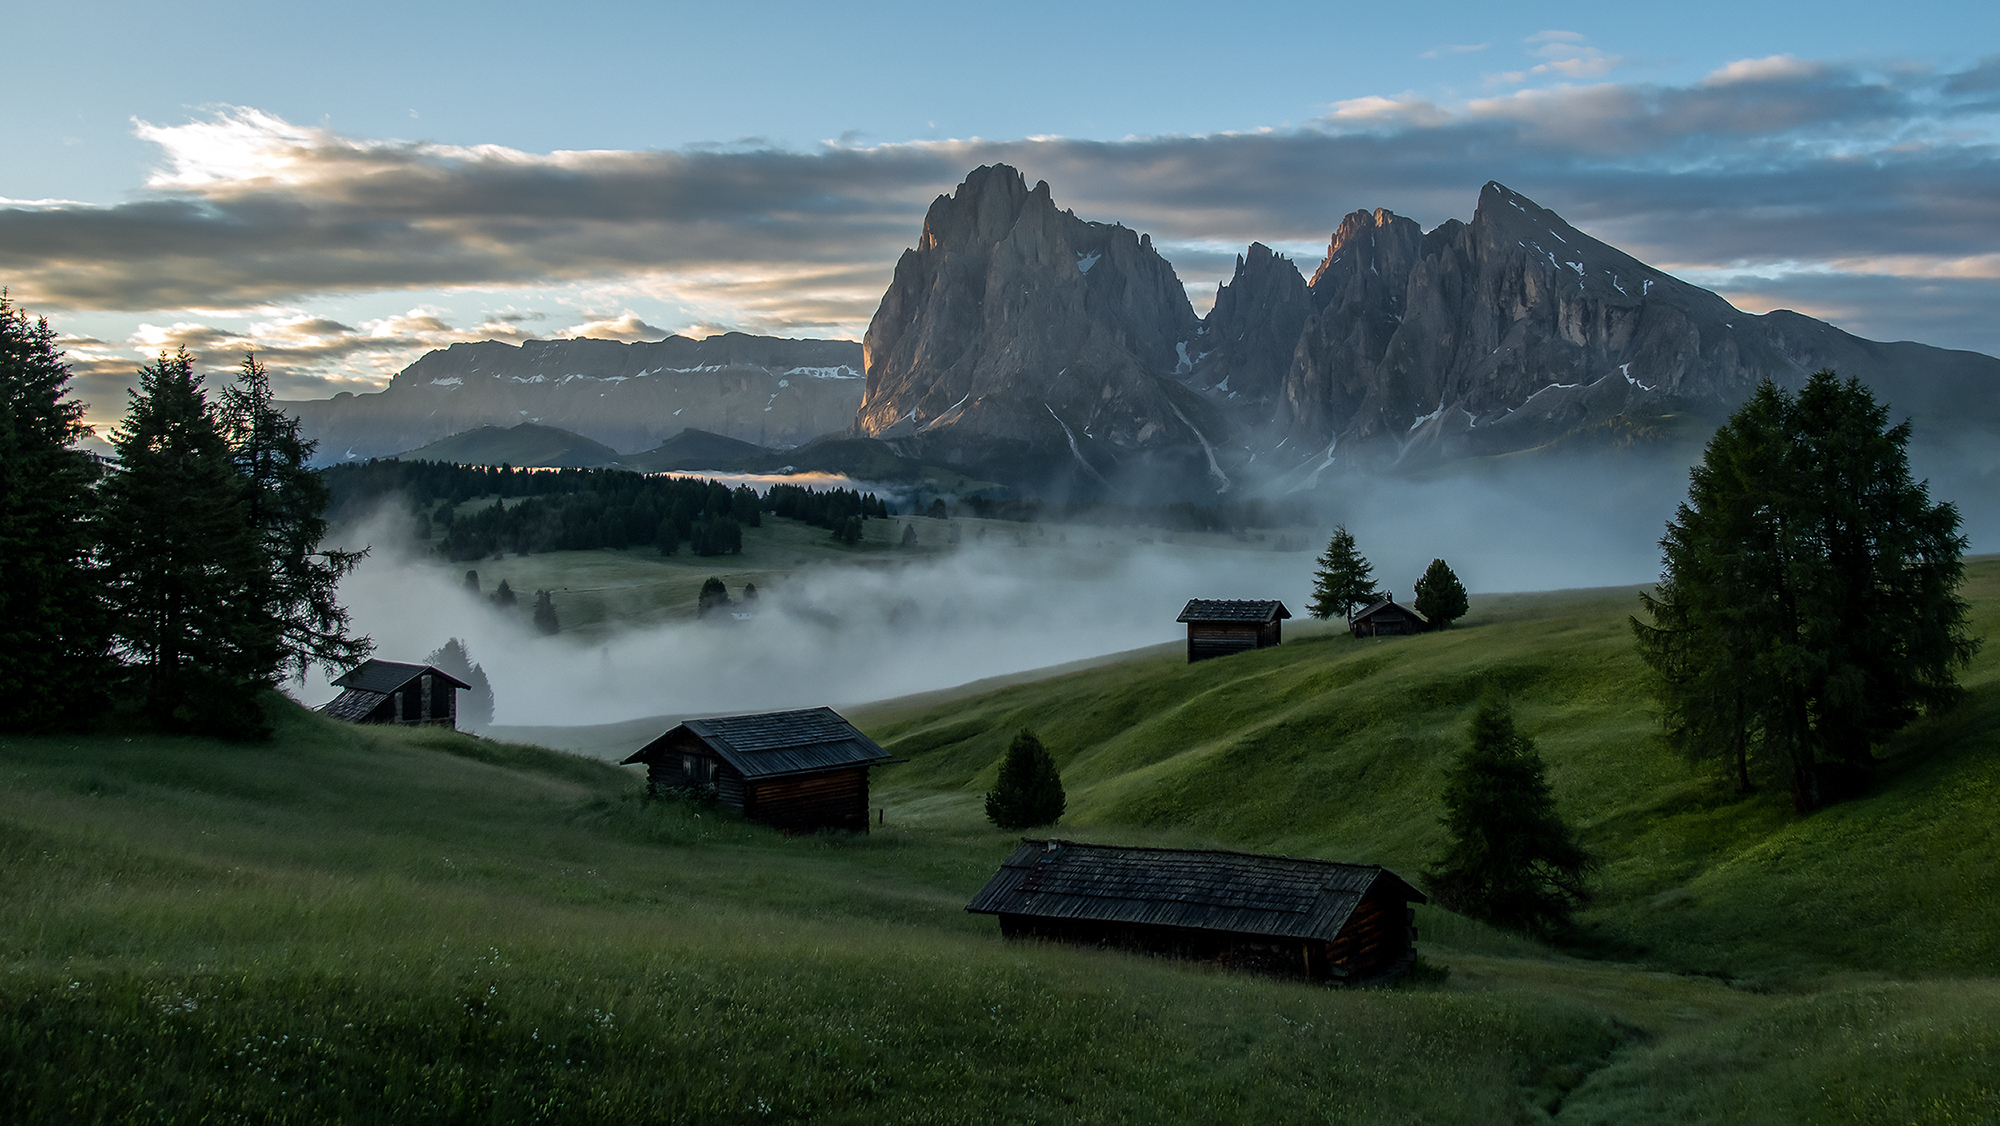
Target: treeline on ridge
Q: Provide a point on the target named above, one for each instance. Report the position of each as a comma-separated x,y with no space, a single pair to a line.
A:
586,509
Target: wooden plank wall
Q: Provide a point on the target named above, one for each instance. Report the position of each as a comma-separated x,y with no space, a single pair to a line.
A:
836,799
1375,938
1214,639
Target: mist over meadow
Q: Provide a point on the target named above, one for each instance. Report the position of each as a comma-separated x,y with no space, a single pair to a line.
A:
1025,596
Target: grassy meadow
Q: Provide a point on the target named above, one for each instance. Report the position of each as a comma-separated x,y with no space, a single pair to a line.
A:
351,925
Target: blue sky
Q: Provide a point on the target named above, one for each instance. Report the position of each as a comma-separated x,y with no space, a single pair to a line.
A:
345,187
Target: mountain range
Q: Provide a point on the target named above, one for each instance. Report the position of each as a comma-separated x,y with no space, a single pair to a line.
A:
1021,343
761,389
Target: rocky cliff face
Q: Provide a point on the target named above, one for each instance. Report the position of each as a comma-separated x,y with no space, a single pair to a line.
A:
1516,329
1016,334
1245,345
628,396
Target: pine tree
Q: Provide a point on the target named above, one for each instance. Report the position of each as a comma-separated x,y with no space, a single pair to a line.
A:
713,596
476,709
1029,790
188,577
55,663
545,613
299,586
1809,606
1511,859
1344,581
910,535
1440,597
504,596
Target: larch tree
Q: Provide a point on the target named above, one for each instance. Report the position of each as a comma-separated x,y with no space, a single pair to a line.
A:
286,506
55,662
186,570
1809,604
1344,580
1510,859
1029,791
1440,597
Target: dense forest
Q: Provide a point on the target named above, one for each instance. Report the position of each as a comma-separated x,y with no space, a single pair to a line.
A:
585,509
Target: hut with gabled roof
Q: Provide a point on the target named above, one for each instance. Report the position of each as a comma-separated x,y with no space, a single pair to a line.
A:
1316,919
1218,627
798,771
1385,618
394,692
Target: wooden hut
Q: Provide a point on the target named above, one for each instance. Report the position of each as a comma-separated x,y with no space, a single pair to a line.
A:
1218,627
393,692
797,771
1384,618
1315,919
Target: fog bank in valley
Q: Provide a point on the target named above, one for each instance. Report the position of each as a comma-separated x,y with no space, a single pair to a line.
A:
889,624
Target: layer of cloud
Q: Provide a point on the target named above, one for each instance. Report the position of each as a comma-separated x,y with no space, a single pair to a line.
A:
1780,169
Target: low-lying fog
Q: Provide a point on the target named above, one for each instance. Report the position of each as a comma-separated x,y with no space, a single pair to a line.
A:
888,627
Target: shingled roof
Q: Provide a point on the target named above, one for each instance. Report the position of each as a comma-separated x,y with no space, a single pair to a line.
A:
385,677
1382,604
1237,892
1230,610
774,743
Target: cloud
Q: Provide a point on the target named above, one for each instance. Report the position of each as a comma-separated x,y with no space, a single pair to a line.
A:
1771,167
1453,49
627,327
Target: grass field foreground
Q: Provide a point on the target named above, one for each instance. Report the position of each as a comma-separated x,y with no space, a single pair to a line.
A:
367,924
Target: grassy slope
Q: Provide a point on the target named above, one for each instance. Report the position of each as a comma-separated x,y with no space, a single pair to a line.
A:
357,924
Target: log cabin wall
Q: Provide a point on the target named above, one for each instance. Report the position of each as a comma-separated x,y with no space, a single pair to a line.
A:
1379,933
1219,639
1281,957
803,803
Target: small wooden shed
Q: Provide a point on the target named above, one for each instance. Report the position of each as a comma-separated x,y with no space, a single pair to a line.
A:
393,692
1316,919
797,771
1218,627
1384,618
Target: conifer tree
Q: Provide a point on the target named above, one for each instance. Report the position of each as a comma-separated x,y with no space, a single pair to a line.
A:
504,596
54,657
713,596
1029,791
1440,597
545,613
1344,580
1809,605
188,581
476,710
1511,859
299,586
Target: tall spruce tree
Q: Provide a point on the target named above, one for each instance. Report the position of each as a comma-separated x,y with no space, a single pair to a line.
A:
187,577
1029,791
54,658
1440,597
1809,602
286,507
1344,580
1511,859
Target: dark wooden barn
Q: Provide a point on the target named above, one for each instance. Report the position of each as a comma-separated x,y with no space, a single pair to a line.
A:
1384,618
797,771
393,692
1315,919
1218,627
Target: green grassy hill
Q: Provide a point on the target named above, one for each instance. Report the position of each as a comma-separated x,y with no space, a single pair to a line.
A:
364,924
1336,747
